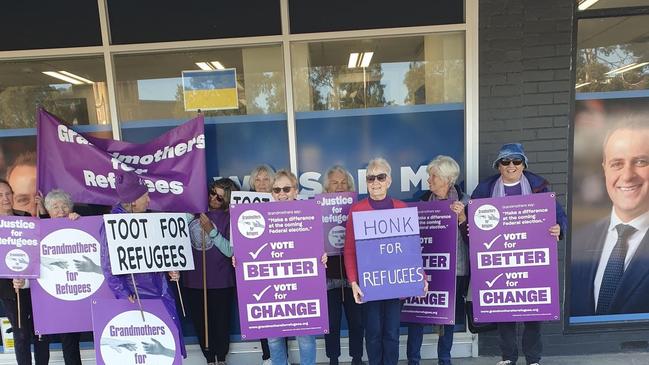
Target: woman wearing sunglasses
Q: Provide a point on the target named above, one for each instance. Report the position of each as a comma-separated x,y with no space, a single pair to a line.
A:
212,231
514,179
284,188
443,172
339,293
380,317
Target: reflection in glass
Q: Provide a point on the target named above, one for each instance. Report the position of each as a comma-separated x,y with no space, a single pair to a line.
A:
73,89
149,86
401,71
612,54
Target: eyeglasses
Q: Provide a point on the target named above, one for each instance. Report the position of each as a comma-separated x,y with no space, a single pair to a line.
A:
216,195
506,162
379,177
285,189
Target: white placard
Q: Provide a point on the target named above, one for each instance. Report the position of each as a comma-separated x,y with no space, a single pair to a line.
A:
148,242
248,197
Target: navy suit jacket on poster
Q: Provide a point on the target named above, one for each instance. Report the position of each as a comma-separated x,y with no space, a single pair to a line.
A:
632,295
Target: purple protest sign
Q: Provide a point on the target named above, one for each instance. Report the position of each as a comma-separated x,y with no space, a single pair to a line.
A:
172,165
19,247
280,279
388,253
122,337
514,267
438,232
335,209
70,275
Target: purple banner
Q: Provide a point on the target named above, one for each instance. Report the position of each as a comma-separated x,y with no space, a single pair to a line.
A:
172,165
438,232
514,267
280,279
70,275
335,209
19,247
123,337
388,253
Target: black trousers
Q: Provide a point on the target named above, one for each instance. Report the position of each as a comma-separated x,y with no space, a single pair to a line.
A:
354,314
24,336
219,307
532,345
70,345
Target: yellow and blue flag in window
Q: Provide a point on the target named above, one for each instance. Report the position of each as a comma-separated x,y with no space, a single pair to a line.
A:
210,90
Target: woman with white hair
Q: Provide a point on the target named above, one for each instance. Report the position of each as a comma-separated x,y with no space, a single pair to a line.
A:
58,204
339,294
443,172
261,178
380,317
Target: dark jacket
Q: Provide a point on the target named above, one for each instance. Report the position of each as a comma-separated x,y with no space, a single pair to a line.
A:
538,185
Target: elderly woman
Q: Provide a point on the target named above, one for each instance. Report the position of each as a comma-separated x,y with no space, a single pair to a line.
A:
514,179
261,178
212,231
23,336
58,204
134,198
380,317
284,188
443,172
339,293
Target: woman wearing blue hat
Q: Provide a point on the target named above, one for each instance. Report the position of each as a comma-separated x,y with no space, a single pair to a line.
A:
514,179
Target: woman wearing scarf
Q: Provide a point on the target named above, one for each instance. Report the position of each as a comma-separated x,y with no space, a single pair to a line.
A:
443,172
213,231
514,179
134,198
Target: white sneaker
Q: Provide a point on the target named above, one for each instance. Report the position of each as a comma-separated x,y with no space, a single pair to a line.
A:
505,362
266,362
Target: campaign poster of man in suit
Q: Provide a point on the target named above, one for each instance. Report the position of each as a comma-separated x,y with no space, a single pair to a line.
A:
609,266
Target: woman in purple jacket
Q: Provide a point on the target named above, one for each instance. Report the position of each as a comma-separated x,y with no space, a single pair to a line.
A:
134,198
212,230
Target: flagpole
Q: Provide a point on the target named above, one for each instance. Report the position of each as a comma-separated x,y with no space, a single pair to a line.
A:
180,296
18,307
207,341
137,295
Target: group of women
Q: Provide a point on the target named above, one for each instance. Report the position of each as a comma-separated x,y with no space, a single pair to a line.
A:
377,322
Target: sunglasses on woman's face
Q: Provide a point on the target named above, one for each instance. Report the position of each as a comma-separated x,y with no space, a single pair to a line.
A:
506,162
285,189
216,195
379,177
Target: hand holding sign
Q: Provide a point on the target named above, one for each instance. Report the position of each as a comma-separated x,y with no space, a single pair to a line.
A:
358,293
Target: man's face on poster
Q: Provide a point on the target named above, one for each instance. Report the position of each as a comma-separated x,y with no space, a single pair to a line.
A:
23,181
626,168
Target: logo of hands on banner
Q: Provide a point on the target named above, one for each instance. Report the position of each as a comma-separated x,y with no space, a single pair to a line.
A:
251,224
17,260
486,217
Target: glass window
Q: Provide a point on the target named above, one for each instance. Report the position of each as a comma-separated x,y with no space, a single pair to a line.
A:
72,88
167,21
338,15
608,4
359,99
612,54
150,101
48,24
379,72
